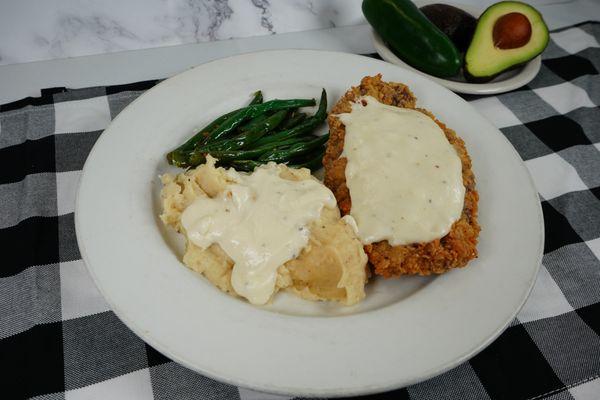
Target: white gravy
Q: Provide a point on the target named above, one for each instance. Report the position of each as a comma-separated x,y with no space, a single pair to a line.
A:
404,177
260,222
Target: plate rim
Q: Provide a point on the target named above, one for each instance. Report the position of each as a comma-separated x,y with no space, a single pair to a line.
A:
278,389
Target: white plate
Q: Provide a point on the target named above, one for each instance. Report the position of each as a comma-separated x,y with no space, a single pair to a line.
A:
406,330
504,82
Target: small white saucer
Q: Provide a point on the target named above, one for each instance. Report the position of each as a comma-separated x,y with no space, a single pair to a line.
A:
504,82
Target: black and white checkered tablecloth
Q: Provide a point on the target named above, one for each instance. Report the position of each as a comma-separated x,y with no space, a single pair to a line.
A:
58,338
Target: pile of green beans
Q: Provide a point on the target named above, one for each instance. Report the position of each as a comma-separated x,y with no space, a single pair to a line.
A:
259,133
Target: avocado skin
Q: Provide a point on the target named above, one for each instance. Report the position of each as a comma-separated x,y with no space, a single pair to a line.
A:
485,25
455,23
412,36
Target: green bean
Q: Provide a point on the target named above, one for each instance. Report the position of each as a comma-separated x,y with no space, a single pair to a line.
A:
248,154
196,158
294,119
304,127
178,156
243,139
233,155
179,159
180,153
260,130
301,129
290,141
257,99
253,111
240,141
313,162
254,122
256,141
190,144
245,165
286,153
322,110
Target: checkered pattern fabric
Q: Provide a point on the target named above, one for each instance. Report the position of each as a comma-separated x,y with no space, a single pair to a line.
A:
58,338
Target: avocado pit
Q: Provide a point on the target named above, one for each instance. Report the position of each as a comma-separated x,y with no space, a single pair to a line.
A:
511,31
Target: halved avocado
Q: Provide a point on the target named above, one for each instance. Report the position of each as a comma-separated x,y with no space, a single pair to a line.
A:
508,34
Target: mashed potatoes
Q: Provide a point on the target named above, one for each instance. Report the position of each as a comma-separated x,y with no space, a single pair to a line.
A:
331,267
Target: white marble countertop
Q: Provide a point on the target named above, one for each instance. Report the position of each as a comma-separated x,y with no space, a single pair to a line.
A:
33,30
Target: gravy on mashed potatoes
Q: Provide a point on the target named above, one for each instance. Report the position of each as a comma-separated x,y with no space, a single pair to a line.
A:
254,234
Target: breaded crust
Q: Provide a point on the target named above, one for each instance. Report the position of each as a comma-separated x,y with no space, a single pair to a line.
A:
455,249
